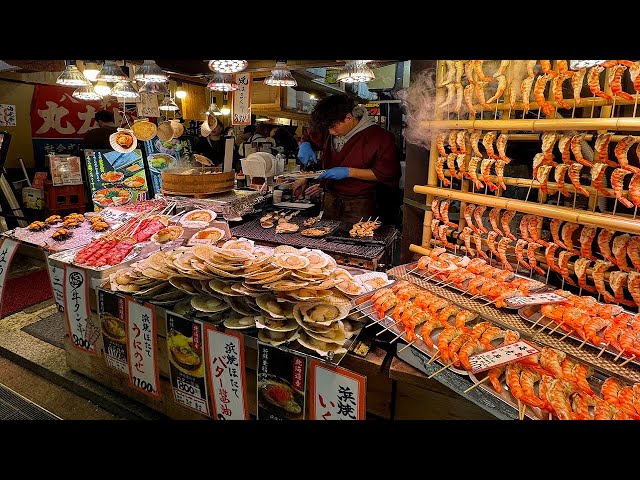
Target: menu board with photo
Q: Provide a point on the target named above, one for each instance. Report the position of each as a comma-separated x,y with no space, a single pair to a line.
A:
116,178
65,170
162,155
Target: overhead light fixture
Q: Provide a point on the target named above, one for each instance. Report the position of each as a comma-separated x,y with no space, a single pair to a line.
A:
91,70
356,71
154,88
86,93
227,66
149,71
180,93
213,108
280,76
168,105
71,76
222,82
225,110
124,90
578,64
111,72
102,89
262,119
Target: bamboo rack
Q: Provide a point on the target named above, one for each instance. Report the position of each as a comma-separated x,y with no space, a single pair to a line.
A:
544,210
587,102
538,125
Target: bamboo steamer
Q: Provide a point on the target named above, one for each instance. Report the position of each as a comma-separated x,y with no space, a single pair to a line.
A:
196,181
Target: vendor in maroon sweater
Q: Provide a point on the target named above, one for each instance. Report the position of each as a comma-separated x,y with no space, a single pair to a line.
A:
356,154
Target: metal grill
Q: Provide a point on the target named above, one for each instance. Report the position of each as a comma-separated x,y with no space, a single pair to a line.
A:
253,231
15,407
587,354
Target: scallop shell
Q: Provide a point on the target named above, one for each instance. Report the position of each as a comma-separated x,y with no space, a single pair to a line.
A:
243,290
149,292
341,273
285,249
264,272
313,326
285,285
239,322
171,293
129,288
307,295
291,261
184,307
373,280
153,273
204,252
240,305
204,303
119,148
319,346
317,258
264,281
177,127
352,327
276,338
269,303
276,325
201,159
183,283
351,288
223,288
335,334
144,130
240,244
164,131
324,312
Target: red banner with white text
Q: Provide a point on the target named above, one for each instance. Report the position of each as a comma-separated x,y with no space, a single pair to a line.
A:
56,114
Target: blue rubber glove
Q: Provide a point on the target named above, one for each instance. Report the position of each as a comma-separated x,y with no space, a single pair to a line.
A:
335,173
306,153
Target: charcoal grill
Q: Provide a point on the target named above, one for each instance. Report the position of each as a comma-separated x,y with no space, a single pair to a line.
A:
363,255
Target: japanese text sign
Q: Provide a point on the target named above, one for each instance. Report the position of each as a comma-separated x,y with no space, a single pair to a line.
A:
56,276
186,362
501,355
534,299
225,368
141,346
7,250
113,322
77,312
337,393
56,114
281,384
241,100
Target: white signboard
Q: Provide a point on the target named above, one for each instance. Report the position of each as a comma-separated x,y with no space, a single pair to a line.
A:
147,106
225,357
241,100
56,277
141,348
337,393
501,355
7,250
77,311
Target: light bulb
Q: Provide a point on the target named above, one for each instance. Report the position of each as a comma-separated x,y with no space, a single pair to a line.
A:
91,71
181,94
102,89
225,110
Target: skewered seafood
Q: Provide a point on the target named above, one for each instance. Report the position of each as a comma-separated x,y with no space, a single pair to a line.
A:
593,80
586,239
440,171
525,91
538,93
477,216
617,177
634,189
621,151
451,73
574,176
477,239
487,142
476,135
534,226
473,172
61,234
520,246
563,263
598,278
567,235
459,97
620,251
580,270
524,227
556,90
444,213
502,253
633,251
491,242
477,69
504,222
576,83
364,229
461,140
576,149
485,167
560,173
451,91
502,68
543,177
465,235
531,255
442,136
494,214
468,99
462,167
546,68
501,145
597,178
502,85
604,241
451,164
500,173
615,82
468,212
601,149
453,142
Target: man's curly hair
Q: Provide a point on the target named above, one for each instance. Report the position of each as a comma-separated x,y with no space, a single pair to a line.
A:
331,110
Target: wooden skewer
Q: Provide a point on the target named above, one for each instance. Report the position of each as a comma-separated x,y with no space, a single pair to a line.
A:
602,350
582,344
434,358
475,385
387,328
519,409
632,357
556,328
406,346
537,321
615,359
375,322
524,411
441,370
396,337
566,334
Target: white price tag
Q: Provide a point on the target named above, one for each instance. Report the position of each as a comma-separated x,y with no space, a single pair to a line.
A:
225,358
7,250
56,277
141,348
501,355
84,333
337,393
534,299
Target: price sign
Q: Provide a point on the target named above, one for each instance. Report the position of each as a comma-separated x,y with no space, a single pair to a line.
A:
534,299
84,333
8,249
337,393
241,100
225,369
186,362
113,323
281,384
141,345
56,277
501,355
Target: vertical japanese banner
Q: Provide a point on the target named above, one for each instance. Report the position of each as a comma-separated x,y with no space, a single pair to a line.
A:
8,249
141,347
241,100
336,393
113,323
77,312
281,384
186,362
56,277
225,367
